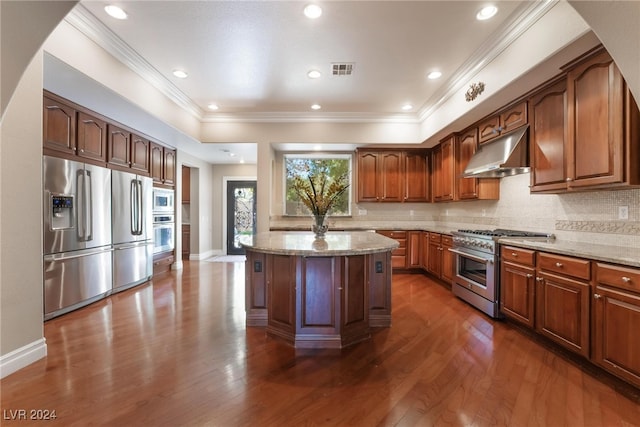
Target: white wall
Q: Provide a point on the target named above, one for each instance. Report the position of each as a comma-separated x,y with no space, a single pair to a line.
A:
21,295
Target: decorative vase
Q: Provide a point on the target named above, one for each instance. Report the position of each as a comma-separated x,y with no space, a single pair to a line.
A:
319,228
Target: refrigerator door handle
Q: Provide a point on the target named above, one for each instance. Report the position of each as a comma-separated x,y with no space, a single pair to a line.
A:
140,208
88,204
133,197
81,221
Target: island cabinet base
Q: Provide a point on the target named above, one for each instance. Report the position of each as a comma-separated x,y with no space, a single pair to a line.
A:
318,301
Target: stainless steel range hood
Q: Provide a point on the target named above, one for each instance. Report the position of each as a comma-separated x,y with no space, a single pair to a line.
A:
506,155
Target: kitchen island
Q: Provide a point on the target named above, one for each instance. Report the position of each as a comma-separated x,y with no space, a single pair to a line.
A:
318,293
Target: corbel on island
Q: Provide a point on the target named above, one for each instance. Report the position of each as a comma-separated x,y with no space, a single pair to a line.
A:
318,293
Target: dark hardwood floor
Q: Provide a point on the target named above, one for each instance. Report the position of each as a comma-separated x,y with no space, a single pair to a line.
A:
175,352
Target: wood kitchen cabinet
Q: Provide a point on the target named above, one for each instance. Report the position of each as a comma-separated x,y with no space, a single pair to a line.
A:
424,250
162,164
434,262
393,176
186,185
448,260
585,129
616,312
70,133
140,155
380,176
472,188
118,146
416,176
59,126
186,241
413,249
399,254
91,137
517,285
443,168
563,293
505,121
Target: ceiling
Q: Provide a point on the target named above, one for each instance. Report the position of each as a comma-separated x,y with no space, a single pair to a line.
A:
251,58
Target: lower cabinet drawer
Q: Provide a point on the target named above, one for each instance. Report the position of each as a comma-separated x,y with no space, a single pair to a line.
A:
619,277
574,267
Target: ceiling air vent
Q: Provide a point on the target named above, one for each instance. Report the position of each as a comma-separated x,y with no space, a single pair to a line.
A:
342,68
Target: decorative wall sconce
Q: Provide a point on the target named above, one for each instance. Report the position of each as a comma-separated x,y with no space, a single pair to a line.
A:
474,90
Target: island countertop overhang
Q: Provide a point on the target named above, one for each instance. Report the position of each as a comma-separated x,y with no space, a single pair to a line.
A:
339,243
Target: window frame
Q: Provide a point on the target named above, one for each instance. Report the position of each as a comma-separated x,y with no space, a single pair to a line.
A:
344,156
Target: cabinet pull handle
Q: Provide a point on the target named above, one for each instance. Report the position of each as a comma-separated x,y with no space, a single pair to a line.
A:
626,279
568,180
597,296
539,279
529,275
559,264
513,254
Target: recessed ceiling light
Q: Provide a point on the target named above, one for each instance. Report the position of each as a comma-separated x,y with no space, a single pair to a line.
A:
316,107
115,12
434,75
407,107
232,154
212,107
486,13
314,74
312,11
181,74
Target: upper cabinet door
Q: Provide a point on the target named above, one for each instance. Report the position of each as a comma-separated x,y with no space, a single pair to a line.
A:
467,146
596,126
92,137
367,176
169,166
156,162
392,173
416,176
119,146
59,126
514,117
443,169
140,154
489,129
548,138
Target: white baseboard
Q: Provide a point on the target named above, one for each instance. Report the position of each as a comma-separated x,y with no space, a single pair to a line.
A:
23,356
177,265
205,255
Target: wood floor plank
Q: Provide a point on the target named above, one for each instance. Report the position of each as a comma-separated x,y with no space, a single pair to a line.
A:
176,352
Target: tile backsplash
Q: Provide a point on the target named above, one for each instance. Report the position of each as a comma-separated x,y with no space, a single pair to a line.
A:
588,217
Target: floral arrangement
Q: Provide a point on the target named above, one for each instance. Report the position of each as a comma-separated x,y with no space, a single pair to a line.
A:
318,192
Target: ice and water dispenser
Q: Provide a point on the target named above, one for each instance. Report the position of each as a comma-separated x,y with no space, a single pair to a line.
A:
61,212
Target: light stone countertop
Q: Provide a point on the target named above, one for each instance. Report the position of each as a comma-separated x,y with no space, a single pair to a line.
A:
338,243
374,226
623,255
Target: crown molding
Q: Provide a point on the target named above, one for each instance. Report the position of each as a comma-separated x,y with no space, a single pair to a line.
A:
311,118
528,14
94,29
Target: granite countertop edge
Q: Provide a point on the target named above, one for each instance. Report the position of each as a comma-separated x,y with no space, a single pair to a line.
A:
622,255
274,242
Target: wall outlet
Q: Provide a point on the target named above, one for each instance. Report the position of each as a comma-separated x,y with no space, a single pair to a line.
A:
484,212
410,212
362,212
623,212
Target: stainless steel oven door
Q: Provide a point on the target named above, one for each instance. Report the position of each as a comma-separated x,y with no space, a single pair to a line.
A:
476,271
163,237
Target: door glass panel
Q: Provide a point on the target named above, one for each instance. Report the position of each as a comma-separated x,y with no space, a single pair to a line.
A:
241,215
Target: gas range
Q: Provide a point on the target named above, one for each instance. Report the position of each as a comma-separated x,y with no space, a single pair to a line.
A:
485,240
477,271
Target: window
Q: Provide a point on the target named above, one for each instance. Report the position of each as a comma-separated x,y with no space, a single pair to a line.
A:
334,165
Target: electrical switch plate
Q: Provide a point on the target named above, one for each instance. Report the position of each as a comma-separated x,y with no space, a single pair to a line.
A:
623,212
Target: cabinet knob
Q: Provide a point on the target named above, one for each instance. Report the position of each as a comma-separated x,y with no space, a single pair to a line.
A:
513,254
529,276
568,180
626,279
597,296
559,264
82,150
539,279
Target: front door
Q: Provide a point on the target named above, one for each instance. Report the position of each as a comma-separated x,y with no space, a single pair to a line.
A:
241,213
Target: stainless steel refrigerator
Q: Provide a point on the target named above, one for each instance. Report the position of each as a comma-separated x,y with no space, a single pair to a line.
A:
77,234
132,220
